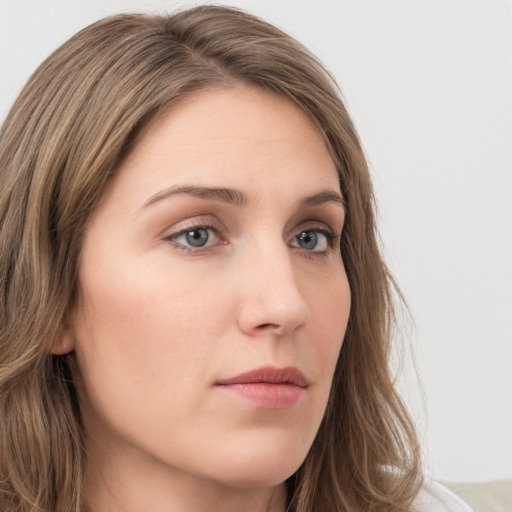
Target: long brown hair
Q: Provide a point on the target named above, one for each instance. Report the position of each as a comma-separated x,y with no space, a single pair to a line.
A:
62,141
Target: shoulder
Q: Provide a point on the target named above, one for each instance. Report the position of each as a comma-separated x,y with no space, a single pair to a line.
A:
433,497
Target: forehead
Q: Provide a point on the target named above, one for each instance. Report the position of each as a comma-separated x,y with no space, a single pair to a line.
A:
242,137
230,111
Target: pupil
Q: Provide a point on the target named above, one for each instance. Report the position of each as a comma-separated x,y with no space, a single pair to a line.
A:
197,237
308,240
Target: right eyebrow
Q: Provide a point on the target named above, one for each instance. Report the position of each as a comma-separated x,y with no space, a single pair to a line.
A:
224,195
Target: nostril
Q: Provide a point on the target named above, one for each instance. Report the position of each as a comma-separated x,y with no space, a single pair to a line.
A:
267,326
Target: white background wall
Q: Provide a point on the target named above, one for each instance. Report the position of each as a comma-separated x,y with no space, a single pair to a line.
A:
429,84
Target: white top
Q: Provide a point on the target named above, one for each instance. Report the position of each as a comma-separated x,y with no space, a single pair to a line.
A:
433,497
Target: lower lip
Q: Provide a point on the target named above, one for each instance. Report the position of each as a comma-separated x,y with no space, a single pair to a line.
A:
265,395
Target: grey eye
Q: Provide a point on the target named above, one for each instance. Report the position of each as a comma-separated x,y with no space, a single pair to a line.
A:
307,240
196,237
311,240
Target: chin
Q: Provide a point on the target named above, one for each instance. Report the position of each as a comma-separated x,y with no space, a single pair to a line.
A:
262,466
253,479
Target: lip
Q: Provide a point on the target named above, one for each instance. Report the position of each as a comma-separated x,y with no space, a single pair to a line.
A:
267,387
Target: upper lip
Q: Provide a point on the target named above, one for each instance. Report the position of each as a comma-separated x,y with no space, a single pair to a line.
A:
268,375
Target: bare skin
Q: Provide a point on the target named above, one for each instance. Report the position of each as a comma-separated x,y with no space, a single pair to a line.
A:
214,252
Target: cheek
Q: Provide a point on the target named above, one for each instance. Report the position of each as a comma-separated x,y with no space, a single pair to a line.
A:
330,311
140,343
145,329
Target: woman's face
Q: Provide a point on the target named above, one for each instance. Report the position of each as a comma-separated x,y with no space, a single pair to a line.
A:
213,297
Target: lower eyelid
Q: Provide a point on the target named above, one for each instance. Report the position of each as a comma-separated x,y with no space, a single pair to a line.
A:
330,238
174,236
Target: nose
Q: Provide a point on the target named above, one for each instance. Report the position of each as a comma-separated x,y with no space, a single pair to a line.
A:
271,300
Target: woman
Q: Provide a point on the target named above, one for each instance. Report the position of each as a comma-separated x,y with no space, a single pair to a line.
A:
195,313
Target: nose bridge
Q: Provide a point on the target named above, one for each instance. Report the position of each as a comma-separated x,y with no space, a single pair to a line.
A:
271,296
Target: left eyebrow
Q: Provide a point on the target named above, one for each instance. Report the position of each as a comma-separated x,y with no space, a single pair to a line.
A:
322,197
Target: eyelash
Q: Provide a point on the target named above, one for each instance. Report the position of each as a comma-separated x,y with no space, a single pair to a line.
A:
193,227
333,242
332,238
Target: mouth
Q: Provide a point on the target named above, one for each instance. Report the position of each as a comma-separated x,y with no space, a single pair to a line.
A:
267,387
